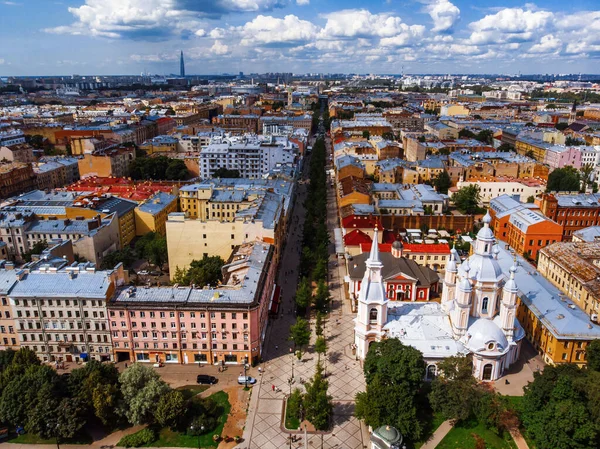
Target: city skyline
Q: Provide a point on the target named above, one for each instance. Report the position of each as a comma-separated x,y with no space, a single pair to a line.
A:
427,36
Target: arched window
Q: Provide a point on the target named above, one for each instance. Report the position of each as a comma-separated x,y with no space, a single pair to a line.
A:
484,304
486,248
373,316
421,294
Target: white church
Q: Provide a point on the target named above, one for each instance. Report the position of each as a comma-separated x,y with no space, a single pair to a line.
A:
477,314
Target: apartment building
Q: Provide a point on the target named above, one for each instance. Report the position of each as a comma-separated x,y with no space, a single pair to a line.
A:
573,268
15,178
151,215
493,187
528,231
60,313
14,137
105,163
248,122
160,144
20,152
408,199
572,211
9,338
55,172
250,156
223,325
218,215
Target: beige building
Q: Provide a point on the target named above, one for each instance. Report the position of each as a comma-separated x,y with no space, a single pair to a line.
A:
491,188
61,313
17,153
151,215
573,268
106,163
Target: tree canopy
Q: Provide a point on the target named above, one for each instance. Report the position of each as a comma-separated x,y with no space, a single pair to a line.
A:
394,375
442,182
152,247
226,173
467,199
206,271
566,179
560,408
300,332
158,168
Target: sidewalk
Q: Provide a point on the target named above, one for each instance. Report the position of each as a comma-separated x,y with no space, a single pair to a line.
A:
438,435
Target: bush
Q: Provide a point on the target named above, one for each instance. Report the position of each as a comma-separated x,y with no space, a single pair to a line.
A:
141,438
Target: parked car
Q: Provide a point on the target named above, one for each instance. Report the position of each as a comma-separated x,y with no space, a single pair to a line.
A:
143,272
155,273
243,379
206,379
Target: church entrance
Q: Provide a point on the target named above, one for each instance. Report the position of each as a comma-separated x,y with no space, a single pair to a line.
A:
487,371
400,295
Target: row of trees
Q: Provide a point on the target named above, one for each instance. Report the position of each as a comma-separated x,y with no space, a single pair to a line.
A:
315,239
158,168
53,406
569,179
316,404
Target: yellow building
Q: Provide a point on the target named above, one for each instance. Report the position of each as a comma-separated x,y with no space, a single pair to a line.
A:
524,145
160,144
571,266
451,110
555,325
151,215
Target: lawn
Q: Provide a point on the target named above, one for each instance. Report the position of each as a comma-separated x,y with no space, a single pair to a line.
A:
171,438
463,436
192,390
32,438
291,422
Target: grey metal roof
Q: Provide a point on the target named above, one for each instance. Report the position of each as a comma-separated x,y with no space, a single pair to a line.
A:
61,284
157,203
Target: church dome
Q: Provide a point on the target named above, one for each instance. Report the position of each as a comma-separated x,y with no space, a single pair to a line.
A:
397,244
484,268
484,335
389,434
485,233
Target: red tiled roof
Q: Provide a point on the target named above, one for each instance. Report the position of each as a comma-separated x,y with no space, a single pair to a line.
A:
356,237
388,237
361,221
437,248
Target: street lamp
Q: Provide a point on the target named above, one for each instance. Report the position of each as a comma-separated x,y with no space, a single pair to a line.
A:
200,433
55,433
245,377
292,356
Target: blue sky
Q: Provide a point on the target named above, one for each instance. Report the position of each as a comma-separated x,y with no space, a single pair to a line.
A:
48,37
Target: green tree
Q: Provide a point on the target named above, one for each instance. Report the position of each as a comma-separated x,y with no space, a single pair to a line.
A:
505,147
394,375
294,405
6,358
42,412
592,352
37,249
366,135
454,391
586,174
566,179
176,170
318,405
466,134
561,126
303,294
171,409
571,141
70,417
322,298
320,271
105,400
485,136
531,199
442,182
226,173
319,324
467,199
206,271
142,388
124,256
152,247
320,346
300,333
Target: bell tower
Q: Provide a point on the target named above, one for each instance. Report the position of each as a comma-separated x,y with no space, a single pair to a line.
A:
508,305
449,290
462,307
372,303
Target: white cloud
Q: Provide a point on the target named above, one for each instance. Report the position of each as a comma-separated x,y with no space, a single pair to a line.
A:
152,19
219,48
1,61
406,37
360,22
509,25
444,14
547,44
302,2
217,33
265,30
200,33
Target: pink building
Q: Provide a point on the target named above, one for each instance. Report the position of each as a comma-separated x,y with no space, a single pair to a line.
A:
198,325
559,156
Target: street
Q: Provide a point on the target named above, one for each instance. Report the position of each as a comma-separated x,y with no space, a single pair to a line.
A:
264,425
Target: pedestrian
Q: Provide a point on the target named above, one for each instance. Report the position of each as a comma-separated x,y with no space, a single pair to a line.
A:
276,347
273,387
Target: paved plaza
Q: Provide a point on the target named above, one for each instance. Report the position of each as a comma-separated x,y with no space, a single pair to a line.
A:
264,427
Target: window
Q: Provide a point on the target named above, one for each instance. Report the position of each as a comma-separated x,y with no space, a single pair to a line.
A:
484,305
373,316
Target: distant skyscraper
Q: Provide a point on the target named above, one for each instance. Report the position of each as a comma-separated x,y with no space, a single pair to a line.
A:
181,66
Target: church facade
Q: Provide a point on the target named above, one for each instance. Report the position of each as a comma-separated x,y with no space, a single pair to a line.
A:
477,314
